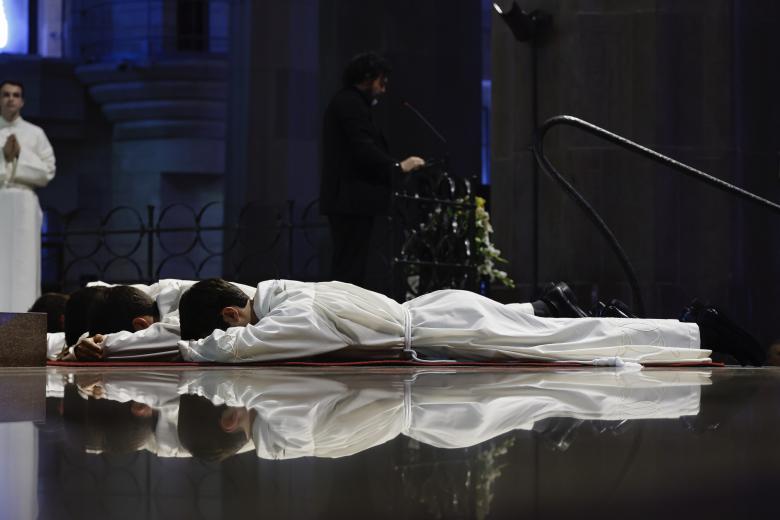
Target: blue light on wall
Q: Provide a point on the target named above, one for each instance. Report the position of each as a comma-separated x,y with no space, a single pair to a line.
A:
14,26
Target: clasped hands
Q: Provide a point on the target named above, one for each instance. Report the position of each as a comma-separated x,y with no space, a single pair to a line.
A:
411,164
87,349
11,149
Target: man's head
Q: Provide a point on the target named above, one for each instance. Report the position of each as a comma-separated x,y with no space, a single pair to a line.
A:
209,431
11,99
773,354
78,311
213,304
123,308
104,425
53,305
368,72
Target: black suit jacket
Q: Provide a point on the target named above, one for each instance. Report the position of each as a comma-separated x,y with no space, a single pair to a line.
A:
357,169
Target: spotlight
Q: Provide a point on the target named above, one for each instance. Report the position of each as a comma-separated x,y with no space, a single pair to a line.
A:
502,7
524,26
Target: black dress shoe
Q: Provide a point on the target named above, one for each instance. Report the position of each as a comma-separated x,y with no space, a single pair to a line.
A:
562,302
723,336
615,309
618,309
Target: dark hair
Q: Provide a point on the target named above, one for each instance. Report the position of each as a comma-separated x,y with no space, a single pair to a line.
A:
14,83
104,425
365,66
200,430
200,307
78,310
53,305
120,307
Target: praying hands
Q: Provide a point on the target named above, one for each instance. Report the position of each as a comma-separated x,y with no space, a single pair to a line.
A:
11,149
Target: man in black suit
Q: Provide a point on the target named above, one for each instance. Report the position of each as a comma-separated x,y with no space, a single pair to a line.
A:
357,168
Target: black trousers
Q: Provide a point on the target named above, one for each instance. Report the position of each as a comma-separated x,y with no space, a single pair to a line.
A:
351,236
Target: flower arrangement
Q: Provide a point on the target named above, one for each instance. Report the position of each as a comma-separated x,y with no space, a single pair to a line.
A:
487,254
445,236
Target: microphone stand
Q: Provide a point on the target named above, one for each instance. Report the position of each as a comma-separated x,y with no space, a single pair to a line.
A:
435,132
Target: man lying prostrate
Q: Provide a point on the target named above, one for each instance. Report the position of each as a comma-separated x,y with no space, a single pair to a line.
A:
78,309
122,308
53,305
129,308
290,320
138,322
165,293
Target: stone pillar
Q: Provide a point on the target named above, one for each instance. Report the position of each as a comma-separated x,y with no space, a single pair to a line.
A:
273,130
168,121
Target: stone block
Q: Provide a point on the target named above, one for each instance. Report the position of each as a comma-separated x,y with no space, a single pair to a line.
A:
22,339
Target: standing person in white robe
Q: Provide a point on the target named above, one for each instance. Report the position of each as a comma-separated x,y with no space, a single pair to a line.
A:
289,320
27,162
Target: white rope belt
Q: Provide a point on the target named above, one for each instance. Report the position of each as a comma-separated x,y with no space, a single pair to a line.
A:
407,331
9,181
409,352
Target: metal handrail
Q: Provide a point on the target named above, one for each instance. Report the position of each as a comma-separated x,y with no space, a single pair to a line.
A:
544,162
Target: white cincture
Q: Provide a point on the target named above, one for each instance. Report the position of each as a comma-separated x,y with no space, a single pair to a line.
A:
407,331
408,350
9,181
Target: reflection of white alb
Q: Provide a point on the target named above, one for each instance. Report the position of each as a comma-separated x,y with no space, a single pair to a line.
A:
20,214
300,319
336,415
158,390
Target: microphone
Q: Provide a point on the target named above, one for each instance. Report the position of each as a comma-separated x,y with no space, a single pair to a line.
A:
424,120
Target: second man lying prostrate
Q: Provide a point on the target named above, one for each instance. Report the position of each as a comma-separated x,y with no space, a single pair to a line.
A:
289,320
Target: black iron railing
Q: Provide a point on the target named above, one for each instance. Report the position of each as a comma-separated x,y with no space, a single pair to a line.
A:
643,151
431,243
131,246
433,229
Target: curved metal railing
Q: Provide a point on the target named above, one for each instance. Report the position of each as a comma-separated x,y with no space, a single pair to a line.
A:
546,165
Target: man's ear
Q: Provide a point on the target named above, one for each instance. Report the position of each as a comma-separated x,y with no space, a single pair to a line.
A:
230,420
140,409
141,323
230,315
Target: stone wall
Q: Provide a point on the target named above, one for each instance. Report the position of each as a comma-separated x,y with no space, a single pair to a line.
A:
693,80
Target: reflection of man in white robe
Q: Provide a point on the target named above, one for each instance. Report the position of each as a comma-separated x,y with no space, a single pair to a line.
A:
293,414
27,162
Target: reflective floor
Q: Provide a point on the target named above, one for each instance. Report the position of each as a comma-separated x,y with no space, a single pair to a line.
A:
389,443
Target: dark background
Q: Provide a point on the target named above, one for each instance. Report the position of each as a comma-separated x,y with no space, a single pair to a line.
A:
141,112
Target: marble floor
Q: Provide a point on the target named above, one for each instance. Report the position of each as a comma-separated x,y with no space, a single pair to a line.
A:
389,443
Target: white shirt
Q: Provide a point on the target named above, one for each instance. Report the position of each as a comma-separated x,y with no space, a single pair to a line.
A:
298,320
